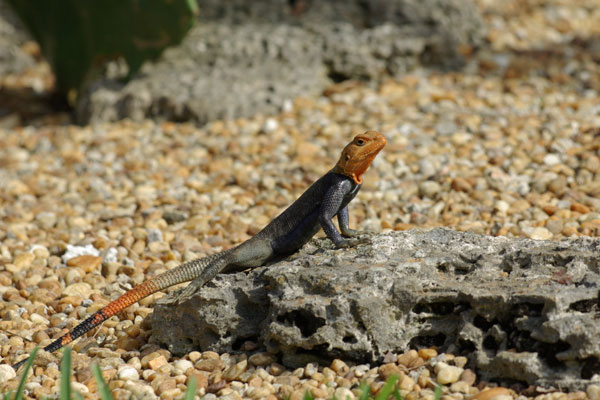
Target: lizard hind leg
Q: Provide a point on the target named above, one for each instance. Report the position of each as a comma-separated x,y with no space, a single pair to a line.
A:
207,272
250,254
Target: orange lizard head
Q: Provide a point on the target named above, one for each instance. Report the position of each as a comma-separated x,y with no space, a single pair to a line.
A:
358,155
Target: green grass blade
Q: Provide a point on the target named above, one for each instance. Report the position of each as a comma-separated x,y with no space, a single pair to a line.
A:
365,391
78,396
65,375
397,395
28,364
190,392
102,386
308,396
437,393
387,389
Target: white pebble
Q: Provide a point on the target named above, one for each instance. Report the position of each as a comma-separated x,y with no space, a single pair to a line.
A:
6,373
502,206
128,373
540,233
76,251
593,392
183,365
270,125
551,159
448,374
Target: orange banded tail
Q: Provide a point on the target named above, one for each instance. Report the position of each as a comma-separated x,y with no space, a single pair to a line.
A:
112,308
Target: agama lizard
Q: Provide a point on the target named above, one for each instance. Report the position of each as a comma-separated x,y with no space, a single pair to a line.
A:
314,209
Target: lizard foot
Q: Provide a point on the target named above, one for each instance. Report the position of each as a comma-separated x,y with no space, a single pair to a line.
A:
350,233
188,291
355,241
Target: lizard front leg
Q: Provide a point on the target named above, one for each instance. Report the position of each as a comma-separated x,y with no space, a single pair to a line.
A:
331,206
343,221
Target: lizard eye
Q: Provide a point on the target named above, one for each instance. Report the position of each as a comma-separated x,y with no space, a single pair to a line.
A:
360,142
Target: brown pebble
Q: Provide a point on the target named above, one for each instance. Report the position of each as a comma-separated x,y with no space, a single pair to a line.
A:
461,185
210,365
201,379
426,354
468,376
387,370
276,369
86,262
261,359
215,387
23,260
407,358
580,208
157,362
490,393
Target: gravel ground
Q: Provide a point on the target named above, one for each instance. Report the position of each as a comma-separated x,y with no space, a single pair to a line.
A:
508,146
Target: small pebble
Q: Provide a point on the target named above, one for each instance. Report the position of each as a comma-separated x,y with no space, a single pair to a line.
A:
127,372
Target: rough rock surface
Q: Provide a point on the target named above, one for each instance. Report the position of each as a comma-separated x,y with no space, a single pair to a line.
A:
522,310
241,59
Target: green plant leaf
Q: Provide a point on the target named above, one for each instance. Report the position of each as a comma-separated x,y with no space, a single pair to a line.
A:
102,386
65,375
308,395
397,395
28,364
365,391
190,392
437,393
387,388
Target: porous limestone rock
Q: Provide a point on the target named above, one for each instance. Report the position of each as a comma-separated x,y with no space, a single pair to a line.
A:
520,310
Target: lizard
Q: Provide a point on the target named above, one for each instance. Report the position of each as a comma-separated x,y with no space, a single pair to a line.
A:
295,226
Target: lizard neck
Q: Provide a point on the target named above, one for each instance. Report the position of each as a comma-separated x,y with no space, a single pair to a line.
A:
338,169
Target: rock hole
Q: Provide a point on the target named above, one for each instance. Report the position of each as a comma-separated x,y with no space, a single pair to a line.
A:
489,343
239,342
337,77
482,323
437,308
427,341
350,339
444,267
527,309
466,346
585,306
590,367
305,321
522,341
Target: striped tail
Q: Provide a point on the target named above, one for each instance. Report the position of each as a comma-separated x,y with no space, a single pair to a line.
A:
207,266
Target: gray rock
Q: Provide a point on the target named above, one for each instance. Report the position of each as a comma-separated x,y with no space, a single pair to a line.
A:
248,57
12,35
520,310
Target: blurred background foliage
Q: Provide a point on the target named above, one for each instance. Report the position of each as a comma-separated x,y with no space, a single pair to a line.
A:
78,37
